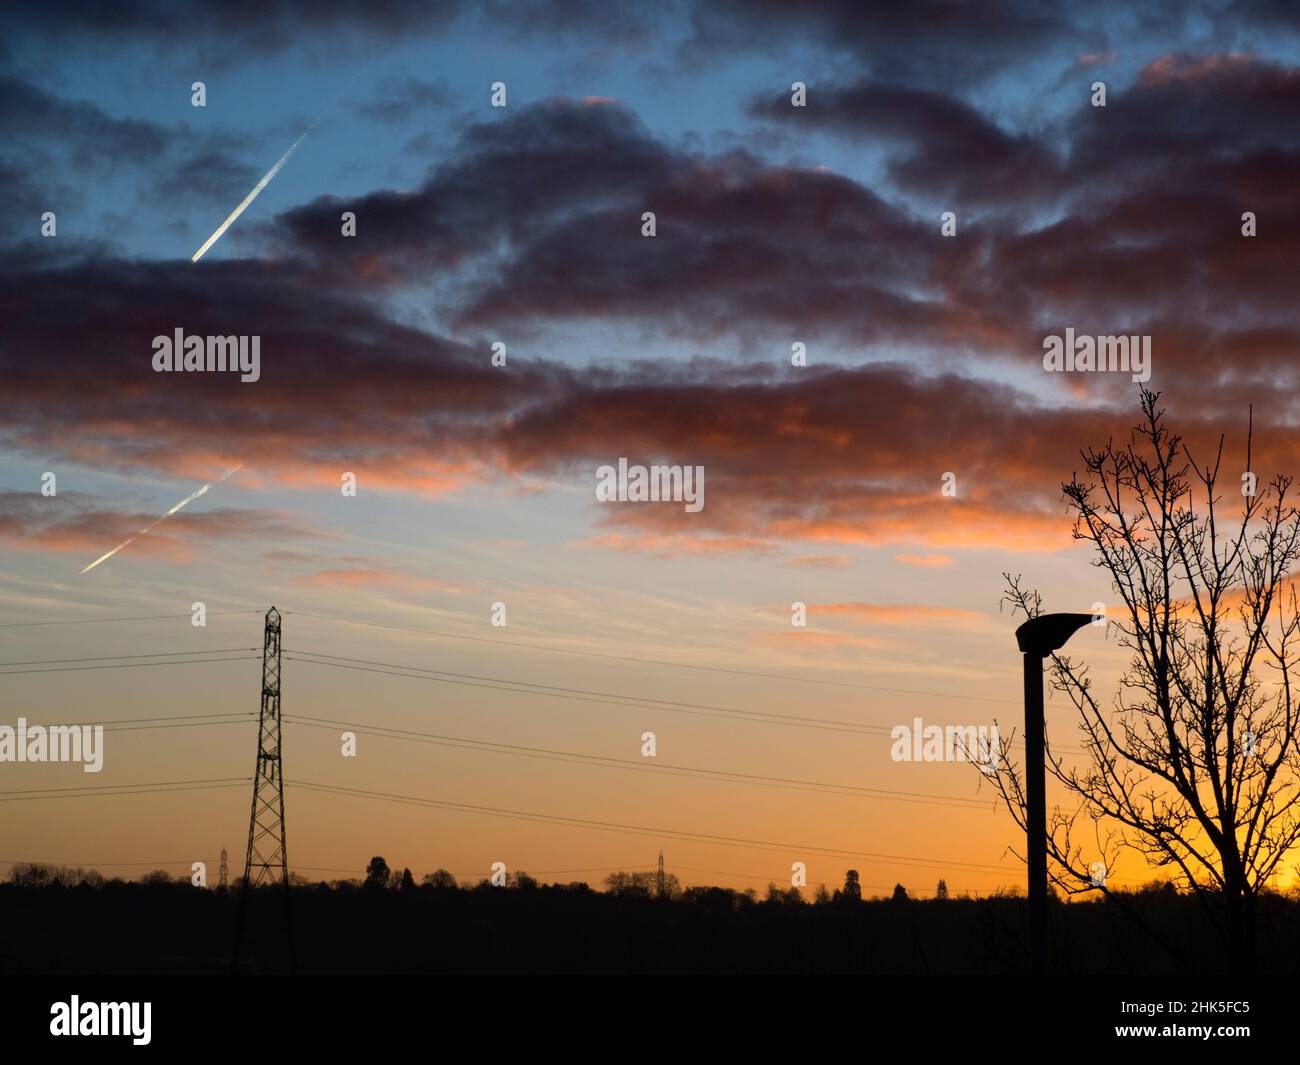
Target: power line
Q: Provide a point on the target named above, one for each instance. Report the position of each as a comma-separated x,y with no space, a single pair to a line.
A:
118,658
585,691
498,684
642,830
123,665
105,621
93,791
584,695
184,724
505,684
181,721
608,762
93,865
467,680
165,717
653,661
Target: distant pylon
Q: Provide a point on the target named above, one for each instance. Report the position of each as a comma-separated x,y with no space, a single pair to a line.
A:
267,854
661,874
222,883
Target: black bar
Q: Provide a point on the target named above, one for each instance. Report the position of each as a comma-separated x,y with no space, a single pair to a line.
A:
581,1014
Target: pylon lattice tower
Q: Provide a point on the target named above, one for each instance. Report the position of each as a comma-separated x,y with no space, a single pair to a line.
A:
267,858
223,882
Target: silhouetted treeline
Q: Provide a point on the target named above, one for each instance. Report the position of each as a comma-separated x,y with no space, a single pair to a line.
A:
74,921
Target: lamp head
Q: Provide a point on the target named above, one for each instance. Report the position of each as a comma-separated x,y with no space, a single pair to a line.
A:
1048,632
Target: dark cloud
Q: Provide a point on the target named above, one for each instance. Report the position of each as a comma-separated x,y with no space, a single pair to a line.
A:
835,455
26,198
740,246
1188,119
206,177
403,99
633,25
1151,241
926,41
946,147
946,43
506,179
340,383
1272,15
230,30
28,112
1144,230
1118,220
52,145
561,188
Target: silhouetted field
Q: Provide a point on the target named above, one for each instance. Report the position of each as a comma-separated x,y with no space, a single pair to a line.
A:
127,927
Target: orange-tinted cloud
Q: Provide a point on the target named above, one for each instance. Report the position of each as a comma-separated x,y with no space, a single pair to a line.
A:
73,522
894,613
819,561
848,453
667,546
377,578
926,561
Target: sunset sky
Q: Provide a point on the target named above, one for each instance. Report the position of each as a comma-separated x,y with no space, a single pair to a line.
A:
522,225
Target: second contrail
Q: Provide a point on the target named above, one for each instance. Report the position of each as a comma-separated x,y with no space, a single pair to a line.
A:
154,524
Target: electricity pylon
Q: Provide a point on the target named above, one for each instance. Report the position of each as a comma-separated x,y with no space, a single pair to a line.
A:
267,854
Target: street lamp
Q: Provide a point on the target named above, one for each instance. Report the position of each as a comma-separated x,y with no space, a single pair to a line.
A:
1037,638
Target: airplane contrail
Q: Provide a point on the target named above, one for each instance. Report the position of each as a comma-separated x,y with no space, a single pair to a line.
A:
154,524
266,178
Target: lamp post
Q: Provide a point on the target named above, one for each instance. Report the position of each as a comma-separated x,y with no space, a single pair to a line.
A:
1037,638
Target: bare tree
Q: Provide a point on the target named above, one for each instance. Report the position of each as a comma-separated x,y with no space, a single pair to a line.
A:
1196,765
